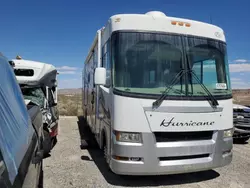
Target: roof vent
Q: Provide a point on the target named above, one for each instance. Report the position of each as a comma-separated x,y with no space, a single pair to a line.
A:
156,14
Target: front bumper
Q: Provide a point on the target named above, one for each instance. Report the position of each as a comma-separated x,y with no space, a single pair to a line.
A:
195,155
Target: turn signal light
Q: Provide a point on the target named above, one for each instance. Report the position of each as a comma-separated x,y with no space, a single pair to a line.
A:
119,158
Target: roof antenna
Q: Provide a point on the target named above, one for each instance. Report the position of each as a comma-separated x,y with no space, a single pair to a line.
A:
211,20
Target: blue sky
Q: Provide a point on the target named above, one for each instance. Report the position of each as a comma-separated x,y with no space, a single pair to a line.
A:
60,32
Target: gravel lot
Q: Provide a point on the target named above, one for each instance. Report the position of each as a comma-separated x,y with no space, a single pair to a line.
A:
70,166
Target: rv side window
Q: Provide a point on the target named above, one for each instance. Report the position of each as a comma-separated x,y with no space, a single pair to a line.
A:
106,62
24,72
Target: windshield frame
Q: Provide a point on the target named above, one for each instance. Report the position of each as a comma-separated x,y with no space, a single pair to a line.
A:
185,79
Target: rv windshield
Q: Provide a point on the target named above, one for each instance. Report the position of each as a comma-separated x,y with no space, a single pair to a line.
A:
36,95
146,63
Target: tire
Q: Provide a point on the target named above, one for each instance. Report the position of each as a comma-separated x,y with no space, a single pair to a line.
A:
105,154
54,142
47,143
40,181
85,114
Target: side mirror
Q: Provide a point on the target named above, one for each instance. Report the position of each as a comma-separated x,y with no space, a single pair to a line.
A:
100,76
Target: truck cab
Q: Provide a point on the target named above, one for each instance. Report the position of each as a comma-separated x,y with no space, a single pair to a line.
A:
38,82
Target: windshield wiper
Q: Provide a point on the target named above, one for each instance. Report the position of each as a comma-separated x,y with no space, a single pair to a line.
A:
212,101
158,102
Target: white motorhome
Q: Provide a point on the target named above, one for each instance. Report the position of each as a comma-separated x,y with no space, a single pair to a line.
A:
157,94
38,82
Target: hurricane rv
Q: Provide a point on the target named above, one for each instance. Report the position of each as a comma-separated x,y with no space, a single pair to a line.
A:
157,95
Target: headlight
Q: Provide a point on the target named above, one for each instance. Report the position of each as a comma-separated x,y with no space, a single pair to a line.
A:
128,137
228,133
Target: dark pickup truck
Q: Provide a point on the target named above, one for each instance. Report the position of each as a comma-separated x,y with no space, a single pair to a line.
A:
21,135
241,119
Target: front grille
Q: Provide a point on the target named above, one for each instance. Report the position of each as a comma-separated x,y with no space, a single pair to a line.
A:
241,117
182,136
183,157
244,128
242,121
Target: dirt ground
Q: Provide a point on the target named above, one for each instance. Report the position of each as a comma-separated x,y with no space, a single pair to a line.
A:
69,166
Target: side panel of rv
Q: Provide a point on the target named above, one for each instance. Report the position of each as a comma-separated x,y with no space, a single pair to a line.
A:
89,90
96,99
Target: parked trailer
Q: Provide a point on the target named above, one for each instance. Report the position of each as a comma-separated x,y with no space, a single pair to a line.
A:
38,82
157,95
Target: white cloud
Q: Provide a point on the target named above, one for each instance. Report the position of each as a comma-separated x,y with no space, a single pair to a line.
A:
66,68
236,79
67,72
241,61
240,85
243,67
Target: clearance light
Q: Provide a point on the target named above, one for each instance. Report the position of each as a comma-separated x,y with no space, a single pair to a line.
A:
181,23
174,22
119,158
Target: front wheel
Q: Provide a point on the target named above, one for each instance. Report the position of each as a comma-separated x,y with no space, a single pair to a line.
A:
47,143
106,157
40,180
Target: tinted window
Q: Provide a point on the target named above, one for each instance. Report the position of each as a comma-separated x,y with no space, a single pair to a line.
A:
24,72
